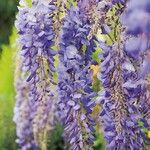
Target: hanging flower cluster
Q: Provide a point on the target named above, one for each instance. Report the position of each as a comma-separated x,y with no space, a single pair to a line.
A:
118,113
37,88
137,48
75,83
47,93
125,93
23,110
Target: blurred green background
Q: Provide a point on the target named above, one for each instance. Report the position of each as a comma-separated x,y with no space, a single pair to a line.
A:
8,9
8,47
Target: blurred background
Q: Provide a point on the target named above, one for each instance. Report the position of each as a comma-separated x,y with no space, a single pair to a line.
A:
8,9
8,47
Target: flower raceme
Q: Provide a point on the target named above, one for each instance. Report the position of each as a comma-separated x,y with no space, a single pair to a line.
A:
75,83
125,94
34,26
119,129
137,48
22,113
138,45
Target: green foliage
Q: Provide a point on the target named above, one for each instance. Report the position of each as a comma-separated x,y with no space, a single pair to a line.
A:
8,9
29,2
56,140
7,127
99,143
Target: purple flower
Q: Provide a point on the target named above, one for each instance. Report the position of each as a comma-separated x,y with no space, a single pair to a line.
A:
118,113
22,116
136,17
75,85
94,12
85,5
119,1
122,65
145,67
145,5
137,23
36,40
